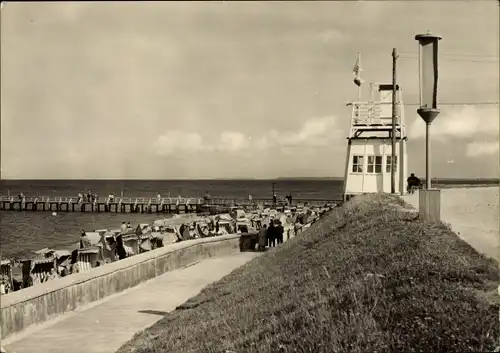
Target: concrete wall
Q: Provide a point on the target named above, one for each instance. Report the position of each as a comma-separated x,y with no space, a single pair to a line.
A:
48,300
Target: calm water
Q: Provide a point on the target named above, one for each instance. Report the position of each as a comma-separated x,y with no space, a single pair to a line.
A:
23,232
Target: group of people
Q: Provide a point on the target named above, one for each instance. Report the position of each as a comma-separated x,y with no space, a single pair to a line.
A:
87,197
283,200
272,235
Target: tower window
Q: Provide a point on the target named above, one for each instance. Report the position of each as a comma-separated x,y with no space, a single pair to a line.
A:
388,164
374,164
357,164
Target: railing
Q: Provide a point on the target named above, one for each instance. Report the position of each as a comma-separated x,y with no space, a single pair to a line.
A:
246,202
118,200
374,113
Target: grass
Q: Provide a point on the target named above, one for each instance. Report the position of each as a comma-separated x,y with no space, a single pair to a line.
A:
368,277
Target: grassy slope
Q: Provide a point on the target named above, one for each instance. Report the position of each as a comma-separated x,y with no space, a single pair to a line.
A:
367,277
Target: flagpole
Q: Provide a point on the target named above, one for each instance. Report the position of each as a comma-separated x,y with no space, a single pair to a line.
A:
357,78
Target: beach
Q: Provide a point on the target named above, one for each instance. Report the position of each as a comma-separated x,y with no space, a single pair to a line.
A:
473,214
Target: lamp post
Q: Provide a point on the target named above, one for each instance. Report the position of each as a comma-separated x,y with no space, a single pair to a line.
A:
429,199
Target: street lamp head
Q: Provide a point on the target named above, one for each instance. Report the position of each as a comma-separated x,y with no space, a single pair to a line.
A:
428,114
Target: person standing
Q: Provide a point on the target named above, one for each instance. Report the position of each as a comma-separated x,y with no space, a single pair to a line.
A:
279,232
123,227
297,228
271,234
412,183
263,238
207,198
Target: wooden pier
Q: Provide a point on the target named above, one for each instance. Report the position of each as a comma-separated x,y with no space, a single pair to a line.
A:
139,204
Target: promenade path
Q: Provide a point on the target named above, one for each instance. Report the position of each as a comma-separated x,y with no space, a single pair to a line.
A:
104,326
473,214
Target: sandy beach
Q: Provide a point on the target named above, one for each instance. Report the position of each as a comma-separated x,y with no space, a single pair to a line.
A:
473,214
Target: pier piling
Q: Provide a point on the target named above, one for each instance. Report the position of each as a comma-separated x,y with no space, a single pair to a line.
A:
138,205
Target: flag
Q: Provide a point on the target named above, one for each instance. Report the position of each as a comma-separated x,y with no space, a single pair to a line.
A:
357,72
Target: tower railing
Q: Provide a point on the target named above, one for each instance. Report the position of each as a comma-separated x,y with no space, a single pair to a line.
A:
376,116
368,113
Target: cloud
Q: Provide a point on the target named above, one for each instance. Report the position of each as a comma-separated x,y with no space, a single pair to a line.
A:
178,141
316,132
476,149
231,141
464,122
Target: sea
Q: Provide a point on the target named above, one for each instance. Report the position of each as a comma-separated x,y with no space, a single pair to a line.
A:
21,233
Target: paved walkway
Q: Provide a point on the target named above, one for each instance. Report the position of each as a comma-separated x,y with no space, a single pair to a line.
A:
104,326
473,214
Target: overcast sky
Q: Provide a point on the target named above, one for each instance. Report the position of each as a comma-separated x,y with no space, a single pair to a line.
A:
220,89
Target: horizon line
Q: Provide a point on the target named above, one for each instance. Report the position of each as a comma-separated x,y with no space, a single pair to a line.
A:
216,179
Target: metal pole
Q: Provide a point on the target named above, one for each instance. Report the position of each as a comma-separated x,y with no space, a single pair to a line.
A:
428,156
394,113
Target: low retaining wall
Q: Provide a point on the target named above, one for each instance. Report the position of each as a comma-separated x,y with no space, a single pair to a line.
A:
48,300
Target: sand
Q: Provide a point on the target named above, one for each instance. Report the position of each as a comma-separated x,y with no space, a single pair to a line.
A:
473,214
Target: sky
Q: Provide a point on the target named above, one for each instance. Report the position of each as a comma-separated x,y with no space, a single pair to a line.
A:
166,90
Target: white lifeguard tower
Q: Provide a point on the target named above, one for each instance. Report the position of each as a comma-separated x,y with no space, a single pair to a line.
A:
369,146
